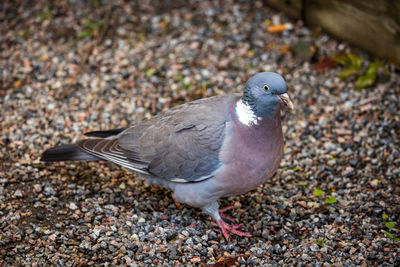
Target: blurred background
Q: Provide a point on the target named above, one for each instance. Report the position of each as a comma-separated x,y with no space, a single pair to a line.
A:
68,67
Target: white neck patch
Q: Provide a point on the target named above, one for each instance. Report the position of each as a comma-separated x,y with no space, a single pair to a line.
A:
245,114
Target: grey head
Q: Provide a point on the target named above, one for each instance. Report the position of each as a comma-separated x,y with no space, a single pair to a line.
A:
264,92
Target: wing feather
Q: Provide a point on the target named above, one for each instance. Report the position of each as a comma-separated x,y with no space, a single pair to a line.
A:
110,150
181,145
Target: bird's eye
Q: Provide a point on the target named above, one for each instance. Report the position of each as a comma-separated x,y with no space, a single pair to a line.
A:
265,87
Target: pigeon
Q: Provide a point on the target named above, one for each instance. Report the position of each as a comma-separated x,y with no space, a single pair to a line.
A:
202,151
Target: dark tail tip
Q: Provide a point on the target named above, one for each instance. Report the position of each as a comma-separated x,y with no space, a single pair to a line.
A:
67,152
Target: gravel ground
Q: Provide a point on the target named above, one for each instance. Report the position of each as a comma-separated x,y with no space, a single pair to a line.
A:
67,67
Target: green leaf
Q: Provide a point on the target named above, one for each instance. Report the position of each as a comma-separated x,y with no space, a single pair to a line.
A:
89,24
89,27
389,235
96,3
349,71
318,192
85,33
390,225
303,184
100,24
369,77
342,59
355,60
45,14
295,169
365,80
397,239
331,200
374,67
385,216
189,87
303,50
206,84
150,72
320,242
180,78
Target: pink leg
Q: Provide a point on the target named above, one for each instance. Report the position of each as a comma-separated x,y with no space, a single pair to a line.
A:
225,227
231,207
236,226
218,217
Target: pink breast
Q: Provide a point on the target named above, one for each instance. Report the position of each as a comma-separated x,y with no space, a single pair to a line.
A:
250,155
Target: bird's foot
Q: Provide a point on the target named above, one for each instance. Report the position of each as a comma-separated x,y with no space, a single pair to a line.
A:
225,227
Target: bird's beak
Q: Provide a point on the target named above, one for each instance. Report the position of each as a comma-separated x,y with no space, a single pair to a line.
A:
286,100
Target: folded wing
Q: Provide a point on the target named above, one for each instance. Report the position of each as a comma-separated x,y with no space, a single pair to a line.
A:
180,145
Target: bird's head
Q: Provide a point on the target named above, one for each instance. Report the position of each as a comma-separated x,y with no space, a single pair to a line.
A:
264,93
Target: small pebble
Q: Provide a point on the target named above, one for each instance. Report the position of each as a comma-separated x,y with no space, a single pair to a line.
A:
73,206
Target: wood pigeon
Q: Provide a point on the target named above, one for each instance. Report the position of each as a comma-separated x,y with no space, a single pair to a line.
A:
204,150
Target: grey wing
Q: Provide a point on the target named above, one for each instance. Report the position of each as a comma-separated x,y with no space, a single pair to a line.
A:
180,145
183,144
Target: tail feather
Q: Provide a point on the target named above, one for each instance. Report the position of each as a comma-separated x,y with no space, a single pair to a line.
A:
105,134
67,152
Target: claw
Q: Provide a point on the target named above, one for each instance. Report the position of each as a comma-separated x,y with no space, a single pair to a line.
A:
225,227
232,228
217,216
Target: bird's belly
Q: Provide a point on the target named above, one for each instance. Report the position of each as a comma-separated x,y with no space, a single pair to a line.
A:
240,177
249,165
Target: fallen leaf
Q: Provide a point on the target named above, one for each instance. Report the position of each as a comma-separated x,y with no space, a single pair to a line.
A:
318,192
267,22
341,59
365,80
389,235
325,64
17,84
349,71
374,67
390,225
331,200
150,72
225,262
355,60
349,59
303,50
369,77
280,27
285,49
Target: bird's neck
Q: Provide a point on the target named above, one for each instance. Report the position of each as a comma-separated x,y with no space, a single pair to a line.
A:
245,113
